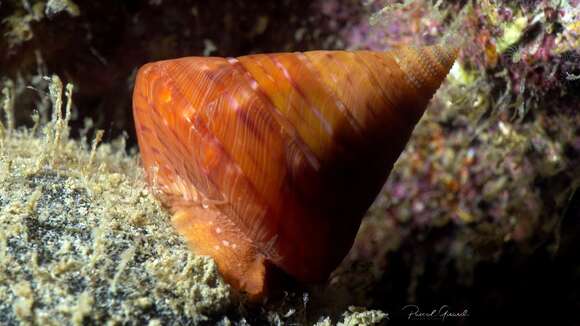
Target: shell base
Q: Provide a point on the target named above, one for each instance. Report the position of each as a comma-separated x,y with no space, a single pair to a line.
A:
208,233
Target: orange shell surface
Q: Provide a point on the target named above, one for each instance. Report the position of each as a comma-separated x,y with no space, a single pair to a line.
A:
274,158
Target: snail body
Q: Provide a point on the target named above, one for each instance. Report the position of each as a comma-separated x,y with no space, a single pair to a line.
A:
274,158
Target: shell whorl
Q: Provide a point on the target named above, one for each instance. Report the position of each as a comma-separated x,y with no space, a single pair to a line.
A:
276,157
425,67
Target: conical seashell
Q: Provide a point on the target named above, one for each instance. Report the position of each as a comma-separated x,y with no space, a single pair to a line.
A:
274,158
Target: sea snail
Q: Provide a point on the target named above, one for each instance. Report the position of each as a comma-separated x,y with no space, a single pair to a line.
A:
272,159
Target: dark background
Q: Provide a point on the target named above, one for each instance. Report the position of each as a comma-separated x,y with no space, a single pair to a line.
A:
100,50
